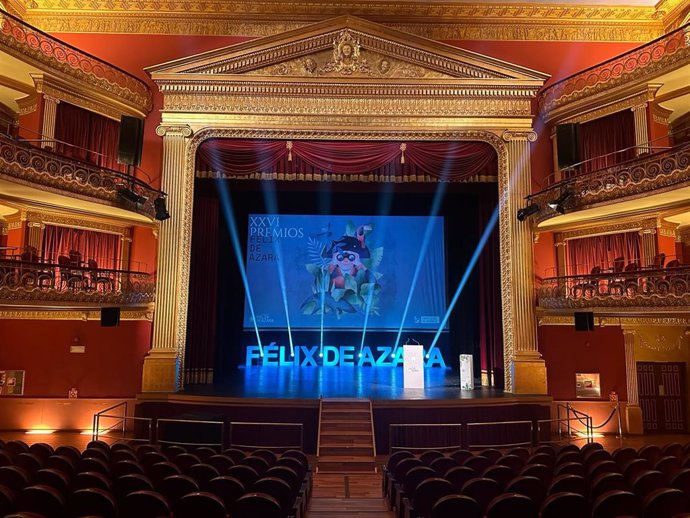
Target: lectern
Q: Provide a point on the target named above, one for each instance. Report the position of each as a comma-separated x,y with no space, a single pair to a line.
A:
466,372
413,366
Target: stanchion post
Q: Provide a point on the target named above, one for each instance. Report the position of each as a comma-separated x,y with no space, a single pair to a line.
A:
620,424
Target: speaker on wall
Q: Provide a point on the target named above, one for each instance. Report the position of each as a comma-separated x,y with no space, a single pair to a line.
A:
110,317
584,321
568,144
131,140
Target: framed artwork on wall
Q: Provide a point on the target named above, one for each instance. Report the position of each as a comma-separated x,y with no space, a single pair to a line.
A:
587,385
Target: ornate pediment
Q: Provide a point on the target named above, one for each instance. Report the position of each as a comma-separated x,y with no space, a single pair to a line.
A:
347,47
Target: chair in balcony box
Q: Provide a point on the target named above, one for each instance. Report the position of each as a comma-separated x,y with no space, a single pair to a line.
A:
658,261
69,278
31,274
99,278
75,258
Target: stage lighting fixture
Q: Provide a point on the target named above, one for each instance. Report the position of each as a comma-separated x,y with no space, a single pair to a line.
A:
129,195
161,211
559,203
525,212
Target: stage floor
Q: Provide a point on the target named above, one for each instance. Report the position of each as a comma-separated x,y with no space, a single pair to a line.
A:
376,383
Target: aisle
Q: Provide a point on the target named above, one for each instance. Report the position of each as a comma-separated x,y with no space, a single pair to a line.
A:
354,495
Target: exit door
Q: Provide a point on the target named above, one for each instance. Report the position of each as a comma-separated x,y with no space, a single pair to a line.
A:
662,394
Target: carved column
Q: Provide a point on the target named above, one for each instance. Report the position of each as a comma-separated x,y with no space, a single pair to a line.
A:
49,115
527,371
561,261
648,246
35,237
162,364
641,129
633,412
4,229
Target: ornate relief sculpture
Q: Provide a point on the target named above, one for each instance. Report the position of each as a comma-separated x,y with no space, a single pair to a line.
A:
346,56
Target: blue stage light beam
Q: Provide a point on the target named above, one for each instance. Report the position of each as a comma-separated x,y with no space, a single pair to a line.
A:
271,201
465,276
324,280
229,214
435,207
384,210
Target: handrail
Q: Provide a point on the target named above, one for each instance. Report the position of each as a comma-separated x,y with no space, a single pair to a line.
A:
391,447
501,423
194,421
631,273
135,85
233,424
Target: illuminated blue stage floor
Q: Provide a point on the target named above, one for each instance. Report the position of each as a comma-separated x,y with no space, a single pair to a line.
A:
381,383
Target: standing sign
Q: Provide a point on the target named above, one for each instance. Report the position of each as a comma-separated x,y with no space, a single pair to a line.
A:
466,372
413,366
12,383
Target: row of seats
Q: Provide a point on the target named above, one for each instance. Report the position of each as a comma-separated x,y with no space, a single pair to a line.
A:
547,482
147,481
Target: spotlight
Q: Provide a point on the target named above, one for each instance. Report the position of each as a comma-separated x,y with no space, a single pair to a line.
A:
161,211
129,195
525,212
559,204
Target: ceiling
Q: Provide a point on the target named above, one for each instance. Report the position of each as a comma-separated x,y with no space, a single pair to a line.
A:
15,80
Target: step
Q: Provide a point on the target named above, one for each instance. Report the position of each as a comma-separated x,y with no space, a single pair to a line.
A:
350,438
345,426
345,415
334,404
346,449
348,505
345,466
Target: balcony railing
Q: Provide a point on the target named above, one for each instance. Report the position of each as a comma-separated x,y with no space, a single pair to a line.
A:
662,288
648,174
23,163
38,282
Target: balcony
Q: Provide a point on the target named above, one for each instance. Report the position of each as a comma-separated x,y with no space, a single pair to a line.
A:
39,283
663,288
651,180
30,172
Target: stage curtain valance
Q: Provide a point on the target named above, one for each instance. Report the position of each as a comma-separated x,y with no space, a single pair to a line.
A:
346,160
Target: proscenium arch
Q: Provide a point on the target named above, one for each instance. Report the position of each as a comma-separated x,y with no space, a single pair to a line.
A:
219,95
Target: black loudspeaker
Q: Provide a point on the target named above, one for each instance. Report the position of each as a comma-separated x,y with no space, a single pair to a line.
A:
110,317
584,321
568,141
131,140
161,210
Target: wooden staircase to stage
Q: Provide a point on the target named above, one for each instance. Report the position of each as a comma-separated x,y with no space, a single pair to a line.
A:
346,437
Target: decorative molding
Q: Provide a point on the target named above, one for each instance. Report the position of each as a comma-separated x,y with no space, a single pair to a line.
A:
28,104
57,90
659,342
9,313
14,225
548,319
638,66
441,20
607,109
84,71
89,223
615,228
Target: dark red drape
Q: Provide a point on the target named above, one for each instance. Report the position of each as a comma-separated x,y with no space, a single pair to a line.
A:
600,251
490,319
99,246
452,161
87,136
606,135
201,321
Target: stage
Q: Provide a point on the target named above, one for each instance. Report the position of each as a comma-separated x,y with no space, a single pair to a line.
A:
292,395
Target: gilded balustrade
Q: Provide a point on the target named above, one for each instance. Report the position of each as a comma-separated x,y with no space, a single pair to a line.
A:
38,282
649,174
36,167
656,288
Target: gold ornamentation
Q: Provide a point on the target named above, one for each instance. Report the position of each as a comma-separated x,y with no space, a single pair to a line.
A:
655,173
7,313
639,65
61,60
549,319
90,223
660,343
28,104
443,20
599,111
35,167
615,228
346,57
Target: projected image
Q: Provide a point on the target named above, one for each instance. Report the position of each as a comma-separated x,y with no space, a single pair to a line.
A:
343,269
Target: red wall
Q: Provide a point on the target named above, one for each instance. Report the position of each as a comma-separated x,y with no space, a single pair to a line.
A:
110,367
545,256
142,254
666,245
567,351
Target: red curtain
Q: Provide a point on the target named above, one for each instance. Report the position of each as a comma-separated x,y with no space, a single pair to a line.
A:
99,246
451,161
490,312
91,137
606,135
589,252
201,321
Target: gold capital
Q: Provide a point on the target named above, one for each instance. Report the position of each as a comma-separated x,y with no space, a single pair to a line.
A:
528,135
174,130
